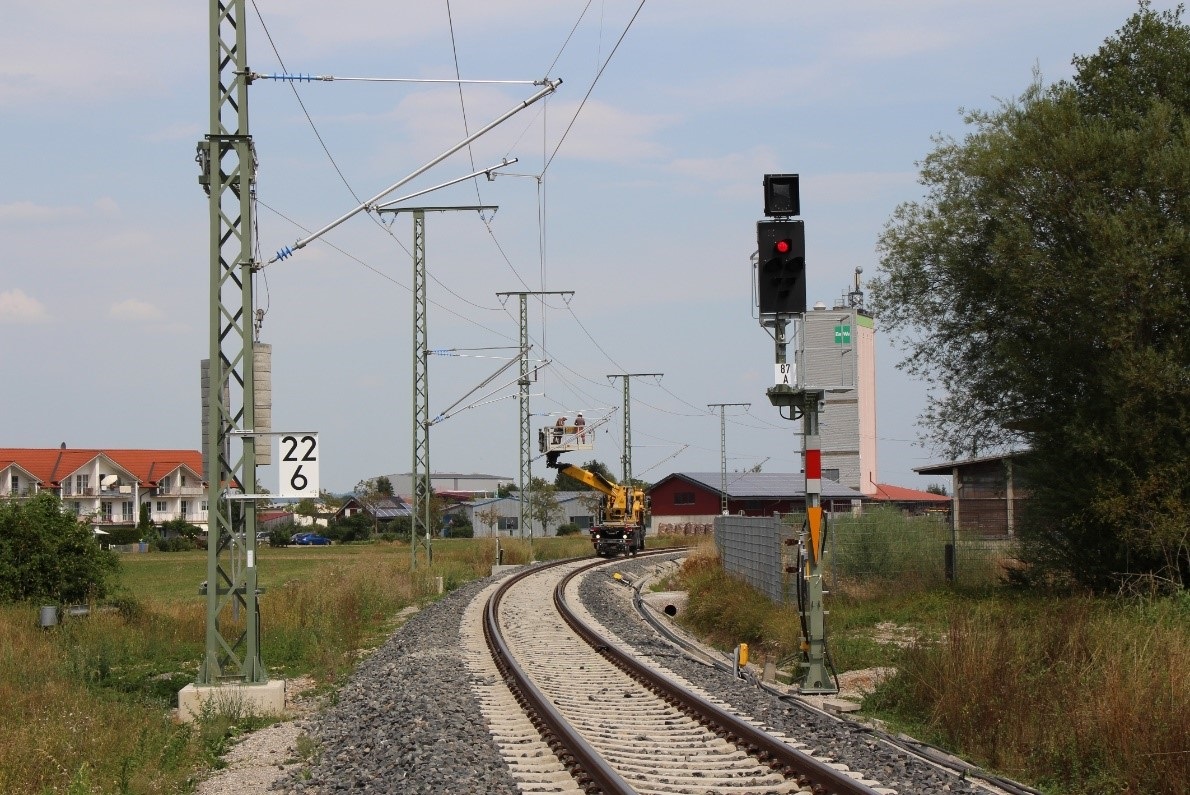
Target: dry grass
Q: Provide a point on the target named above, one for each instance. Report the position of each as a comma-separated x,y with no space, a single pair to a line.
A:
1081,695
1075,695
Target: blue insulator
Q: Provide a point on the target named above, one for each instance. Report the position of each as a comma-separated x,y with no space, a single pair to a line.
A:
283,253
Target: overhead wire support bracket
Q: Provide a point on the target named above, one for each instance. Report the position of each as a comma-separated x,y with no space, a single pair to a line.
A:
550,87
486,172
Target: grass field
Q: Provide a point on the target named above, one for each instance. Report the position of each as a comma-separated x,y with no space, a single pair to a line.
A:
85,707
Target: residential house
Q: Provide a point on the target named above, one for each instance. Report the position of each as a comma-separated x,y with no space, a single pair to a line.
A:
107,486
381,509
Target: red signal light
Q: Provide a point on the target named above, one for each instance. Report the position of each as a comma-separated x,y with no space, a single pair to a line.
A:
783,246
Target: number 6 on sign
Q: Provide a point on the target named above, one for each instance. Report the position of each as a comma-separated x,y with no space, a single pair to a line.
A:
299,465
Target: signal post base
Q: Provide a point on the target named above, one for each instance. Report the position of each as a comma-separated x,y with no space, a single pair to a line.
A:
233,698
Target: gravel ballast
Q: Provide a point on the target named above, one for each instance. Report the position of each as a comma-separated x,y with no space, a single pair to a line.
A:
407,721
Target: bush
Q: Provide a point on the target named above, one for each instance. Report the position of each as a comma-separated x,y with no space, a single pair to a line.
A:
569,529
351,528
458,526
278,537
49,555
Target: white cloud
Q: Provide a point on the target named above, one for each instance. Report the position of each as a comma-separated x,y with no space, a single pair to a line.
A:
27,212
22,213
18,308
135,311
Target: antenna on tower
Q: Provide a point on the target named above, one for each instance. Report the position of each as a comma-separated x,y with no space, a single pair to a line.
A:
855,298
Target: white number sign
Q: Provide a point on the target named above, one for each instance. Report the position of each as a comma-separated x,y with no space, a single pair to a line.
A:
299,465
785,374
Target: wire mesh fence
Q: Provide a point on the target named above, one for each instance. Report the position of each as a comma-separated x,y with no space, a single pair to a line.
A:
879,550
885,547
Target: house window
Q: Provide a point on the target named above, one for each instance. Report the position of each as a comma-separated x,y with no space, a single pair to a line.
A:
683,498
202,506
182,480
161,506
105,510
508,523
77,507
583,522
15,485
82,484
185,510
127,512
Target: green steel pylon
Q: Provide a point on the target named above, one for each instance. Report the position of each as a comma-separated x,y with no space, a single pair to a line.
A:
227,164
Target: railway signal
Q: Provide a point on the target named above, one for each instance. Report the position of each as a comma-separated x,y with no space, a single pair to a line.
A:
781,266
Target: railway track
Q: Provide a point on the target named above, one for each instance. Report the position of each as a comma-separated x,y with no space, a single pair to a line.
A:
573,712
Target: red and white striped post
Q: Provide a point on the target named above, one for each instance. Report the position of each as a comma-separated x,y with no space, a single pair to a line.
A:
817,677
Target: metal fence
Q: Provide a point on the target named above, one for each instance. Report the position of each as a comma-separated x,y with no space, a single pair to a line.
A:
880,550
753,548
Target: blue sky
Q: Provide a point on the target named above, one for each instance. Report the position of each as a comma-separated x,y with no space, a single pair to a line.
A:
646,210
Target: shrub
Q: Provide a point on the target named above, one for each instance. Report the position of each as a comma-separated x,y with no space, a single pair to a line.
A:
50,555
569,529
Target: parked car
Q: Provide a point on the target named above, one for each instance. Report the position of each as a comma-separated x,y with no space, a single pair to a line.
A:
310,539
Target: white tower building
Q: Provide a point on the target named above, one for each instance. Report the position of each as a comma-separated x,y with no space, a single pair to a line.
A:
840,358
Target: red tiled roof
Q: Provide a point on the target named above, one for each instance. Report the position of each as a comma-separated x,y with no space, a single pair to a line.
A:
887,493
52,464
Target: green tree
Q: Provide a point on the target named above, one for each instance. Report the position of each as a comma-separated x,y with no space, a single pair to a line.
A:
384,486
306,507
46,554
330,501
543,507
144,523
1041,290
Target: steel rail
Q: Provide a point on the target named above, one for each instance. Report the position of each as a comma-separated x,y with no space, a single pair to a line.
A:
588,767
823,779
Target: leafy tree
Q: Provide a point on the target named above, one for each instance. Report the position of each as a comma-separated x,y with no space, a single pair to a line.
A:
505,489
330,501
543,507
46,554
306,507
384,486
490,517
1041,289
937,488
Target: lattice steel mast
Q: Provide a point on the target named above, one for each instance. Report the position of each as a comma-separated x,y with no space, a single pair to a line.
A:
723,452
626,457
227,162
525,470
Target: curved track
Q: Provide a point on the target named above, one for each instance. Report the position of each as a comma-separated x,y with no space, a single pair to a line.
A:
610,722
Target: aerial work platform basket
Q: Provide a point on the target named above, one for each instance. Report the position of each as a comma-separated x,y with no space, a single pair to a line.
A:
565,438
